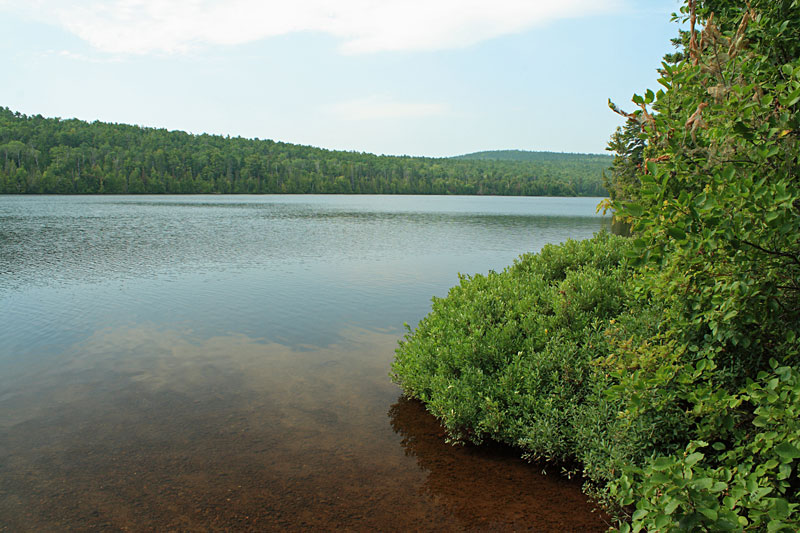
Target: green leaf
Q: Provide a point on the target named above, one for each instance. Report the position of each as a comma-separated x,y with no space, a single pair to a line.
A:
741,129
708,512
663,463
730,314
635,210
701,200
718,486
676,233
780,508
670,507
791,99
786,451
693,458
726,524
729,173
760,493
775,525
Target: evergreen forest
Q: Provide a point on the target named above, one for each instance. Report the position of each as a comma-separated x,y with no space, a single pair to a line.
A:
54,156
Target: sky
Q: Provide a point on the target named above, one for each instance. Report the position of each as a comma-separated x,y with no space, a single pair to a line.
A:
416,77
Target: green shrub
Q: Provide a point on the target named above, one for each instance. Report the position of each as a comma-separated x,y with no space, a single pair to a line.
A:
507,356
668,367
717,219
747,479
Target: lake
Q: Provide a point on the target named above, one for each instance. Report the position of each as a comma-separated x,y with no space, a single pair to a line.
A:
221,362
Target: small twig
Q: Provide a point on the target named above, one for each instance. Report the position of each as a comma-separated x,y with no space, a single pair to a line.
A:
794,258
787,287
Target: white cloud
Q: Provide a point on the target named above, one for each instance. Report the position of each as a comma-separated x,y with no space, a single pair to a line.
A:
374,107
363,26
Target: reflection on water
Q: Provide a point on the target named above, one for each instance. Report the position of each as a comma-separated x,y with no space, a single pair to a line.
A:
488,487
292,269
147,428
196,363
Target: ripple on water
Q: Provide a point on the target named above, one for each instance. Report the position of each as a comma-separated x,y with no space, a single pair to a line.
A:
221,363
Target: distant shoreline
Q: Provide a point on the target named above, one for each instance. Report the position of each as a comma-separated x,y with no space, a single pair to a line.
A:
41,155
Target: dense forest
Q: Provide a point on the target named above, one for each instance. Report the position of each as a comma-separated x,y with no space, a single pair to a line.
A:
664,368
54,156
549,157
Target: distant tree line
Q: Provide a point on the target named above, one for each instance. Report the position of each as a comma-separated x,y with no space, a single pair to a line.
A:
528,156
41,155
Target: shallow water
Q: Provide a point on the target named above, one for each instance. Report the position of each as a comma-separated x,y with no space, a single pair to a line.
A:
220,362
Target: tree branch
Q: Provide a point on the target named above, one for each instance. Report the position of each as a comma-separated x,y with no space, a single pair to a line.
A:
794,258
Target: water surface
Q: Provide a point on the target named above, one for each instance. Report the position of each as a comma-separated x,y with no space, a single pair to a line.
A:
221,362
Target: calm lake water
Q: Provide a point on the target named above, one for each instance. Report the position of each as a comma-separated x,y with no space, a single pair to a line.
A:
221,363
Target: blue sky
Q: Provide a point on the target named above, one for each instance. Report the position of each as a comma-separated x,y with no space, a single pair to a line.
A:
432,77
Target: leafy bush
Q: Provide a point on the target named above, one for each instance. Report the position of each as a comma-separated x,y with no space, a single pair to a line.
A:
746,480
716,221
667,366
507,356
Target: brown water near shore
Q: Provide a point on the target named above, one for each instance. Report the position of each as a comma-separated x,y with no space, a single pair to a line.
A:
143,429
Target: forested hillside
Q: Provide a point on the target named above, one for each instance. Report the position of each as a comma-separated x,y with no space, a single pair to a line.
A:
50,155
603,160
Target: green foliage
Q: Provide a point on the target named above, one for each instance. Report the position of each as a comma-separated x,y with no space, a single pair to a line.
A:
507,356
671,373
717,219
746,479
601,160
40,155
622,179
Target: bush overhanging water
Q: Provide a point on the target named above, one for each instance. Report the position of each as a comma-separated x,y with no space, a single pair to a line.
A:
665,365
